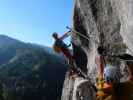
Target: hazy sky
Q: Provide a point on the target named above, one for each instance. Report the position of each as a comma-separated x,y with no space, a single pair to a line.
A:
35,20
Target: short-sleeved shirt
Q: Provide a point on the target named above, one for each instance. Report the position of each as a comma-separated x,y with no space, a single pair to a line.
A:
60,43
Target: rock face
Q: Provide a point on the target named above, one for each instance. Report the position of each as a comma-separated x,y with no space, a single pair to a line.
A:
103,22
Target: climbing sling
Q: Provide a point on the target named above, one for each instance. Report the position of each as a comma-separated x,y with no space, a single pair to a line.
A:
83,36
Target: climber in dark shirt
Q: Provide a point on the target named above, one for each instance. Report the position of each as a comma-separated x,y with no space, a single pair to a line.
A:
59,43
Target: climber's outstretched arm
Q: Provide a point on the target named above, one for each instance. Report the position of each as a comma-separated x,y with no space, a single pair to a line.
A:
65,35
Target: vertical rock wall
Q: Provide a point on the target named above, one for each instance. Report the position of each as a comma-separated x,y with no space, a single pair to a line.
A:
106,22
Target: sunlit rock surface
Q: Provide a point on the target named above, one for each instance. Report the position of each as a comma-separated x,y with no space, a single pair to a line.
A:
106,22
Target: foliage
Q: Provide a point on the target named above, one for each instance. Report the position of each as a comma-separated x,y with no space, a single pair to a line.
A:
29,72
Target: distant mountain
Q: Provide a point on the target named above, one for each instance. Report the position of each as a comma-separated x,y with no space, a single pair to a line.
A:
46,48
29,71
8,41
